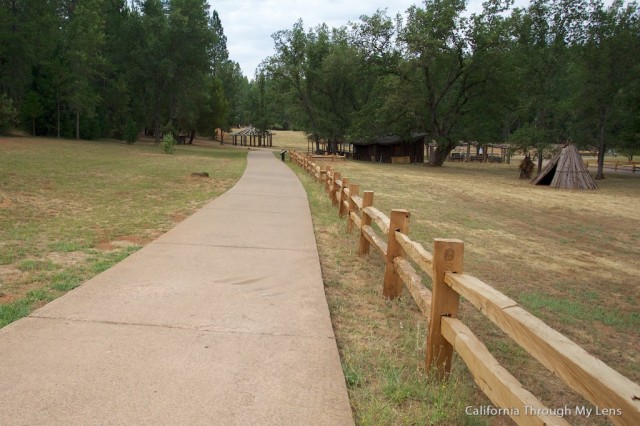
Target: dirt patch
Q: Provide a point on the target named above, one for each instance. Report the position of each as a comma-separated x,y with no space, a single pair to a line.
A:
105,246
131,240
12,284
67,259
7,298
123,242
10,274
5,202
179,217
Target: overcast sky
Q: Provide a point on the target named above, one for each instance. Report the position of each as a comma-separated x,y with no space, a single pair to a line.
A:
248,24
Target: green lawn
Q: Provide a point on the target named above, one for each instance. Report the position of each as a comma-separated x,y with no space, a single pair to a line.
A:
71,209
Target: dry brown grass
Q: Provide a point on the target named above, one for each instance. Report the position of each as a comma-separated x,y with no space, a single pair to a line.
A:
290,139
569,257
70,209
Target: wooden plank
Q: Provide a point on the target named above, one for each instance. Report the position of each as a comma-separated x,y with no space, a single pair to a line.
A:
494,380
380,218
335,183
412,280
374,239
597,382
356,220
343,205
399,221
354,189
448,256
416,252
329,177
401,160
357,200
363,243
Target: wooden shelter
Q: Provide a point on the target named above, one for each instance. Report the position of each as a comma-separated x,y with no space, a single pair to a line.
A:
484,153
566,170
391,149
318,146
250,136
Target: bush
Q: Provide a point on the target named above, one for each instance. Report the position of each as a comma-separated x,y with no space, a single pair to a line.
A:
8,113
131,131
168,144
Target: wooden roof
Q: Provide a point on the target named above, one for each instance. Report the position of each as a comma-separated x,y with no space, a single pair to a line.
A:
392,139
250,131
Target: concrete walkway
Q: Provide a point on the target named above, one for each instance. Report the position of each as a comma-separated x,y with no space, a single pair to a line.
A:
221,321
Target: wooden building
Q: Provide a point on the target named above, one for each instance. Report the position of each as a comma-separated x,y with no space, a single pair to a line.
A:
250,136
317,146
487,153
391,149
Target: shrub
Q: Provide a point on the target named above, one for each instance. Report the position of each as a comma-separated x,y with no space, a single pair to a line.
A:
8,113
168,143
131,131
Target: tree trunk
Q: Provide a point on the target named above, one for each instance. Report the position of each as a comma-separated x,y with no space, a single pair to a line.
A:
601,152
602,141
156,126
77,123
33,126
191,136
540,150
58,114
439,156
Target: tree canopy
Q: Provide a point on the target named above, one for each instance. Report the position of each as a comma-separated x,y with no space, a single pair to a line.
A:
551,72
98,68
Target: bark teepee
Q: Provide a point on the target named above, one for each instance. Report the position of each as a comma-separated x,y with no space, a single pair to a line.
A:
566,170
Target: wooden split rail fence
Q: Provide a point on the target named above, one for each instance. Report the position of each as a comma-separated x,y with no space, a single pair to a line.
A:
632,167
611,393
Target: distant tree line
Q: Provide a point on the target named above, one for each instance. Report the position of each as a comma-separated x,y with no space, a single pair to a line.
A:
555,71
109,68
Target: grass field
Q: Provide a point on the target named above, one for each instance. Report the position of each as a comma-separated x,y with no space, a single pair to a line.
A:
71,209
569,257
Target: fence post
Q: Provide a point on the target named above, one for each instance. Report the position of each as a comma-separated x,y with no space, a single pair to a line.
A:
354,189
327,184
399,221
363,244
343,196
448,256
336,177
323,175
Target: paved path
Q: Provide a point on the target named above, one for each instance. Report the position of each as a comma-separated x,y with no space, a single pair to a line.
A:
221,321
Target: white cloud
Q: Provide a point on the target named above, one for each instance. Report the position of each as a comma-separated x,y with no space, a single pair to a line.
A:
249,24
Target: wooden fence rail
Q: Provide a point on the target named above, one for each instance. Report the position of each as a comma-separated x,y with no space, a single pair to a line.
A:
611,393
630,166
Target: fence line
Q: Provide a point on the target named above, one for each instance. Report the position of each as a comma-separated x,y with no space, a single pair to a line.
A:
630,166
610,392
